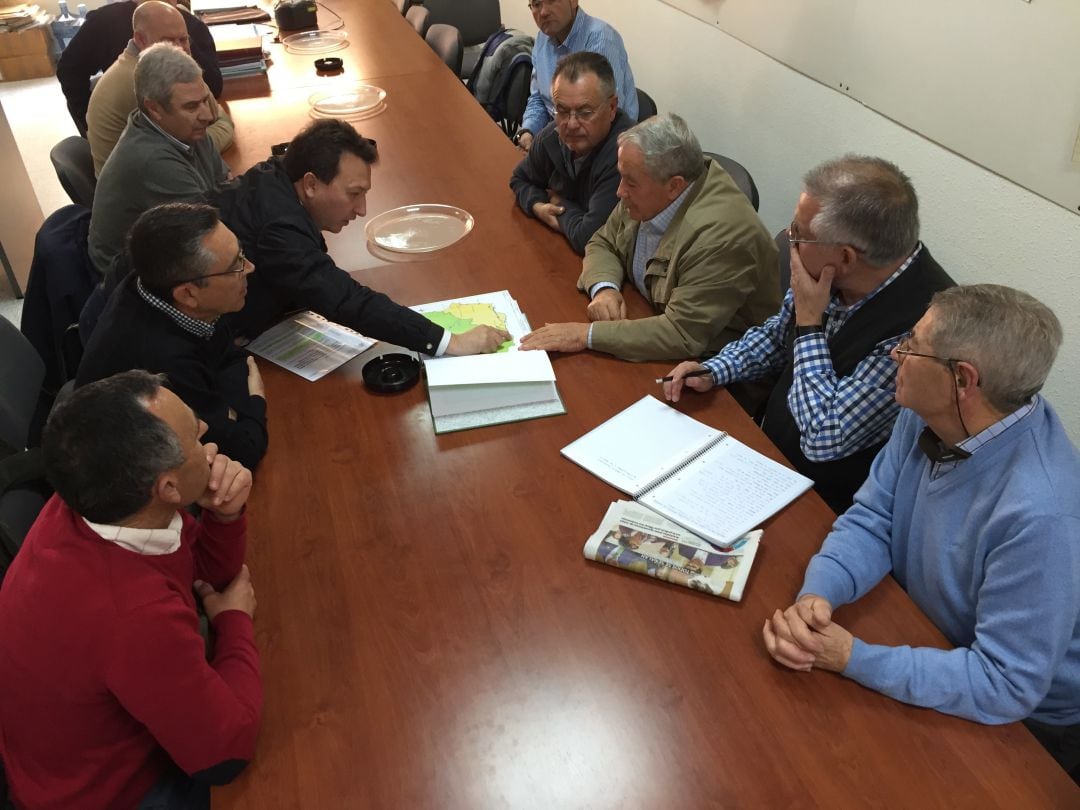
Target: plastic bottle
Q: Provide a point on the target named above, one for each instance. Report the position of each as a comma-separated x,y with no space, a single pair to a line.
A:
64,27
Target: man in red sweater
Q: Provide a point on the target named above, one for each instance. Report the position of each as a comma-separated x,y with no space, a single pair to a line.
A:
108,700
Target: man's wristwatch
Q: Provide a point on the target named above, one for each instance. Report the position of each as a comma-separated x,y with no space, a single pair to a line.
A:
808,330
517,136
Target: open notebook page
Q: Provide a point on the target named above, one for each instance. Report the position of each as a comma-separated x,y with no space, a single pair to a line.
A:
640,444
726,492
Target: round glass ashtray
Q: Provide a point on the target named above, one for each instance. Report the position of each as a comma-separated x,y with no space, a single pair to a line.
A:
419,228
316,41
358,101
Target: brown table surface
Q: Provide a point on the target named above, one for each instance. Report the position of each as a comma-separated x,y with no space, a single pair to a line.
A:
430,633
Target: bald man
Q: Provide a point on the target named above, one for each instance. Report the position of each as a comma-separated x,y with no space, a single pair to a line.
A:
113,98
103,37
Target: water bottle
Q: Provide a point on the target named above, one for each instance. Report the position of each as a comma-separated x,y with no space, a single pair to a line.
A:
64,27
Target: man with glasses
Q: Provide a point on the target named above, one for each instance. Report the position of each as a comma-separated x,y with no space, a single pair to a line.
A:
972,507
687,239
569,177
860,279
565,29
188,272
114,95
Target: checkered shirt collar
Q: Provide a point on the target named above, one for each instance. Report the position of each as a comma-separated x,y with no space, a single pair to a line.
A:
186,322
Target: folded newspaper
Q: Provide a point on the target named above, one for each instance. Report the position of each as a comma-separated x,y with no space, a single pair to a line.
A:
635,538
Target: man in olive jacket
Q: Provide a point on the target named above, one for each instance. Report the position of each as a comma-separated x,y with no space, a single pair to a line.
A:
690,242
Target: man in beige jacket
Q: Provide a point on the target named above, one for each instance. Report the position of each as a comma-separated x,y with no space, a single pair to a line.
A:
113,98
691,243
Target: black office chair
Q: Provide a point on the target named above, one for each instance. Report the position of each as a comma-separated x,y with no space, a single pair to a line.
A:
646,107
402,5
741,177
783,246
419,18
23,490
75,169
445,40
475,19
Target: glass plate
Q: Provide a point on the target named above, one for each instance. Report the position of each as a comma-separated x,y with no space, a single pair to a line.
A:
316,41
362,100
419,228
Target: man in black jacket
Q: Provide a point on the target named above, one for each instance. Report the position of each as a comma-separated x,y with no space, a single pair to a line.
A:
164,317
570,175
279,210
102,38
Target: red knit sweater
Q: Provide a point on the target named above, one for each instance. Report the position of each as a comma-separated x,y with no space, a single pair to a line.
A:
103,674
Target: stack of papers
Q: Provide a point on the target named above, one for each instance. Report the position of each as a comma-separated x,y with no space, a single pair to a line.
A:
240,49
487,389
309,345
16,18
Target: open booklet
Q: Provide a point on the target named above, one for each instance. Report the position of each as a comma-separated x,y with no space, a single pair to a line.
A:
309,345
635,538
699,477
486,389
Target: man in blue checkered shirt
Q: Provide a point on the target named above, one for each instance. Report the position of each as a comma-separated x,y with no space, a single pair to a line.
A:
860,279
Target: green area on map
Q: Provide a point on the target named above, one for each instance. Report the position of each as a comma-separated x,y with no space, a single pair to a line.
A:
460,318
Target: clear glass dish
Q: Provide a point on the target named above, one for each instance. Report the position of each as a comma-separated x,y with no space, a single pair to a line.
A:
358,101
419,228
316,41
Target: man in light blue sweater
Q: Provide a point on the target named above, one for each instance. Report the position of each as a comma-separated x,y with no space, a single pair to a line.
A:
973,507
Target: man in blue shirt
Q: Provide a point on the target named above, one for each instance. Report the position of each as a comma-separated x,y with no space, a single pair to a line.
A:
564,29
972,508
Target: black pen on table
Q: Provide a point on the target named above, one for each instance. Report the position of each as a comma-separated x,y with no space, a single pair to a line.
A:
701,372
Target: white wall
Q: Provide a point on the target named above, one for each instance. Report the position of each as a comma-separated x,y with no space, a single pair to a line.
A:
778,123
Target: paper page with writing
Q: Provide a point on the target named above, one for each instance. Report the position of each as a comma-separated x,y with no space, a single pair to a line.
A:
726,492
640,445
309,345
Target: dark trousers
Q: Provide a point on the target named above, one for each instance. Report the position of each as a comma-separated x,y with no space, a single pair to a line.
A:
1063,743
176,791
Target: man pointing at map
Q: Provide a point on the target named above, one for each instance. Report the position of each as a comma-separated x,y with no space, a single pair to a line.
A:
279,209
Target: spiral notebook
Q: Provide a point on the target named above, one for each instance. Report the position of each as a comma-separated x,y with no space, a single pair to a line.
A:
690,473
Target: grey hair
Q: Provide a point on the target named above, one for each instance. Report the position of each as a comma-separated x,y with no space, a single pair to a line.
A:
868,203
1011,337
575,66
669,147
104,450
159,68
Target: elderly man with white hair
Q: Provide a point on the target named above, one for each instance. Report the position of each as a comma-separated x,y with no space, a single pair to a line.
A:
687,239
163,156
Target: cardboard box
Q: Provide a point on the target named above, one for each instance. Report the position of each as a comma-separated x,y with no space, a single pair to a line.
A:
16,68
35,41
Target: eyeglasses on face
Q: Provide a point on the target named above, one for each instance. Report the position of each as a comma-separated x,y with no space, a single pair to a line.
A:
903,351
237,268
583,115
795,239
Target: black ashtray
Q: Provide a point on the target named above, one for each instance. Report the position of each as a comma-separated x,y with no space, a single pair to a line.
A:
391,373
328,64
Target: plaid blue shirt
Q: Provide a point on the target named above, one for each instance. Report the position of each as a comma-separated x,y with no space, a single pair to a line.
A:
586,34
836,416
973,443
196,327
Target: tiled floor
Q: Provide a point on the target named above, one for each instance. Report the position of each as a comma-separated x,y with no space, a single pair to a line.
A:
39,119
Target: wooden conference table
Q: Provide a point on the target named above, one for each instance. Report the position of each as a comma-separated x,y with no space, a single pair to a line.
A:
432,637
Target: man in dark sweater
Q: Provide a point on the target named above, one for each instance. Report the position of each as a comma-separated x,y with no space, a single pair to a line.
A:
165,318
109,700
279,209
569,177
102,38
860,279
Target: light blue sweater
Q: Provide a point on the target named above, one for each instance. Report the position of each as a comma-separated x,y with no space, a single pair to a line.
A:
990,552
